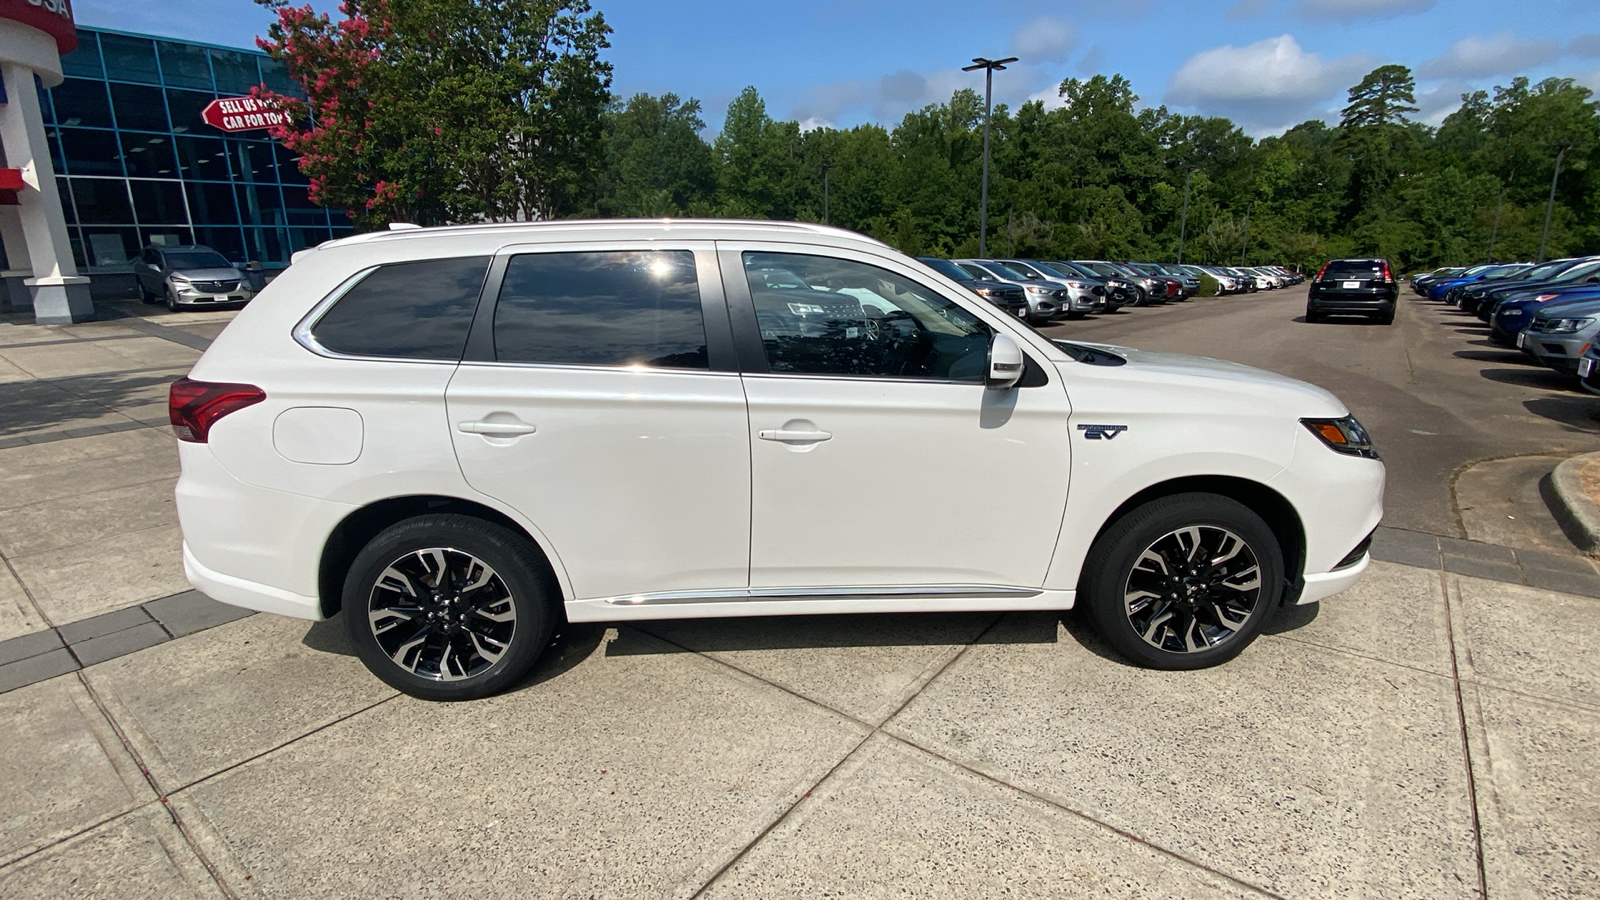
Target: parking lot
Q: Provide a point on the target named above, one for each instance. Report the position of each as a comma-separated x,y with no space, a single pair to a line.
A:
1431,733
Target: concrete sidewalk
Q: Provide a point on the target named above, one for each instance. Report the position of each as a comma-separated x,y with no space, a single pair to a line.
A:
1425,735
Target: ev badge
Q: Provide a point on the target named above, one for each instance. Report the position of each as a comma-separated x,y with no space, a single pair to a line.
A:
1101,432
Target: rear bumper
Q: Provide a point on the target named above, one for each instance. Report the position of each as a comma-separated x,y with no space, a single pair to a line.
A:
248,594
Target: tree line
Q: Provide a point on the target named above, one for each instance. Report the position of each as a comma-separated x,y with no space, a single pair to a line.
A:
436,111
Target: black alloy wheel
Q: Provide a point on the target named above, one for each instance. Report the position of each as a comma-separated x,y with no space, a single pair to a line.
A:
448,607
1183,582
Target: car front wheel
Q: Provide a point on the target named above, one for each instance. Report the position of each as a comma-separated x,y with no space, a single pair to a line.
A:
448,607
1183,582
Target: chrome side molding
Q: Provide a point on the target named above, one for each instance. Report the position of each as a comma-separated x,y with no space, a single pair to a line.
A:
735,595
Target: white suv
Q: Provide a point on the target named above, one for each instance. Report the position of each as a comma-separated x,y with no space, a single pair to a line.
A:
462,437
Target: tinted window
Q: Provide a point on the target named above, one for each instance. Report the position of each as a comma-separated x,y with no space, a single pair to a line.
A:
195,259
417,310
945,267
859,319
603,308
1358,269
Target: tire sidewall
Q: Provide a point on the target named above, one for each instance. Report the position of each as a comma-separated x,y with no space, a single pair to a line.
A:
1115,551
512,558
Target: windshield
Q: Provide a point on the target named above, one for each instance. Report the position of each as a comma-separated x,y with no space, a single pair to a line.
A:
1005,271
1050,271
196,259
945,267
1548,270
1582,270
1503,272
1032,273
1071,268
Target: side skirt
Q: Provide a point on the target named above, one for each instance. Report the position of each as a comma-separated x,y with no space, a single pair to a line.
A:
815,601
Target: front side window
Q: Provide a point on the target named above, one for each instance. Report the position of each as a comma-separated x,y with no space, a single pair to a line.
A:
857,319
602,308
413,310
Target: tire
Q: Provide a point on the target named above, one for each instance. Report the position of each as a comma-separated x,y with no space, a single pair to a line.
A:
1312,316
144,295
1386,318
172,299
441,660
1137,551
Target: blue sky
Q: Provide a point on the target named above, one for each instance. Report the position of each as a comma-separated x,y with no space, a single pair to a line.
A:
1267,64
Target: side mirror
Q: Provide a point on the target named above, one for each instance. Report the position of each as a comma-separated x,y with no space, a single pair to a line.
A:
1005,364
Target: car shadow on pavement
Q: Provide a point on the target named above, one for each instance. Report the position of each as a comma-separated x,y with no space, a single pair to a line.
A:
1533,377
1336,319
1579,413
1494,356
824,632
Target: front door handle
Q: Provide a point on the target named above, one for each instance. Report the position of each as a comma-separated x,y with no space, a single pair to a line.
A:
789,436
497,429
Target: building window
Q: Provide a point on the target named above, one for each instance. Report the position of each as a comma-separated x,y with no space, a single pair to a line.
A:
159,202
201,158
129,58
84,62
139,107
89,152
236,72
111,247
185,65
148,155
82,102
102,200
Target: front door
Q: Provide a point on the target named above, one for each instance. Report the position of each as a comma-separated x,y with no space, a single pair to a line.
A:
607,410
878,457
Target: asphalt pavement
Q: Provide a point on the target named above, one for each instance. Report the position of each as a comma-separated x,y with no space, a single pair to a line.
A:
1437,396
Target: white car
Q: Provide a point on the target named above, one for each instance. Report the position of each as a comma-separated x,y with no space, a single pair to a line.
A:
461,437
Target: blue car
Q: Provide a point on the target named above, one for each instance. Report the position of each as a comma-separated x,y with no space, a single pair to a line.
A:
1446,289
1440,285
1513,314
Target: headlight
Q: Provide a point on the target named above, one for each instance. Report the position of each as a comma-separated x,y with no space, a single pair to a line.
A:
175,278
983,291
1564,326
1508,312
1078,284
1036,289
1343,435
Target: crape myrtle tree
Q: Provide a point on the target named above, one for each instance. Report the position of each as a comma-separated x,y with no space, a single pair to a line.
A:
444,111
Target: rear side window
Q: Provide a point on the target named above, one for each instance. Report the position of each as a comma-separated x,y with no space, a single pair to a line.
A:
1357,269
414,310
602,308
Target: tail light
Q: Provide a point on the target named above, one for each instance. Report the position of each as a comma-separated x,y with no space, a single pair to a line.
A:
194,406
1324,270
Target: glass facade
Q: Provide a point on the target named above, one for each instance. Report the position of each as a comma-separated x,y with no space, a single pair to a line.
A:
137,166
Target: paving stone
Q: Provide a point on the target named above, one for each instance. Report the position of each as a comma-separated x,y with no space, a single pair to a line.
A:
871,830
1483,568
8,443
119,643
17,613
124,426
1527,639
1557,572
85,520
137,856
1476,550
113,573
83,630
29,645
63,768
1411,548
192,611
35,669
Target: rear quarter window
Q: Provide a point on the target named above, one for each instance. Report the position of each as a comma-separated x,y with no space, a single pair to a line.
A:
412,310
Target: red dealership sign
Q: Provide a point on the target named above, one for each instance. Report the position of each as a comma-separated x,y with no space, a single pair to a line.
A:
243,114
53,17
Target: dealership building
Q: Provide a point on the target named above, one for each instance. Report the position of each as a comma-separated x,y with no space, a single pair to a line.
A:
116,124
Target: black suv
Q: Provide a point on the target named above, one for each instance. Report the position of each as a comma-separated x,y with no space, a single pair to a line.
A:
1362,287
1008,297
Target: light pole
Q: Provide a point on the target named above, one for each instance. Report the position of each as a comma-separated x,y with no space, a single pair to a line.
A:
1494,233
1183,224
826,168
1246,245
990,66
1550,206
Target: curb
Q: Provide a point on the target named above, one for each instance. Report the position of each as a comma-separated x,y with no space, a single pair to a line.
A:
1577,513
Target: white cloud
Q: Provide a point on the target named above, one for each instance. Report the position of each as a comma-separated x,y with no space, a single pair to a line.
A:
813,123
1439,101
1480,57
1584,45
1266,86
1351,10
1045,40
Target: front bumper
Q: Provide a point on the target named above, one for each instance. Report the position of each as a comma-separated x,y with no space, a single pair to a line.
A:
188,296
1558,351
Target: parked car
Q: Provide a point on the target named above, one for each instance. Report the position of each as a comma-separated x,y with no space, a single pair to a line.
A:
1045,300
1170,287
1589,370
1354,287
1572,274
1421,283
1513,314
1561,333
1120,291
1190,282
1468,296
1009,297
1083,297
1492,275
461,437
1145,292
1227,282
187,276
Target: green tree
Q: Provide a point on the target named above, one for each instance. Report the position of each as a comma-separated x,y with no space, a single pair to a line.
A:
656,163
438,111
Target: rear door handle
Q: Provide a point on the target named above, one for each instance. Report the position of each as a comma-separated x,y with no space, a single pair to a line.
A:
497,429
788,436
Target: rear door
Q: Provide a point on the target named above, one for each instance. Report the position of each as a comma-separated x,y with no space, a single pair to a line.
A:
600,398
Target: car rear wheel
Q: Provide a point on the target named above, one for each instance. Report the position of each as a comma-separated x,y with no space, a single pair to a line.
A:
1183,582
449,607
1312,315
